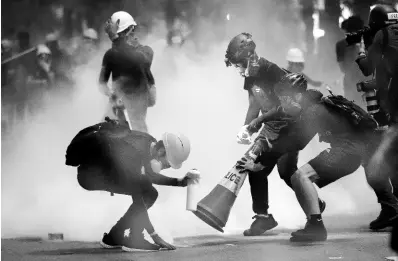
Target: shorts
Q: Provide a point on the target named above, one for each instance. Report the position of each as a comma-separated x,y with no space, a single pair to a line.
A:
342,159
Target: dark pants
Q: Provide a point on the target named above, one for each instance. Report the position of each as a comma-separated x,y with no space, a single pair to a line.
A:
134,218
384,164
271,132
287,165
138,187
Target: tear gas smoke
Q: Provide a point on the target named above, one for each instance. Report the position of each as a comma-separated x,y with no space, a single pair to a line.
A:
198,96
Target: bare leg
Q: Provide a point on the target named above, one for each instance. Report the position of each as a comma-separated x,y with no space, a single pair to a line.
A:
307,196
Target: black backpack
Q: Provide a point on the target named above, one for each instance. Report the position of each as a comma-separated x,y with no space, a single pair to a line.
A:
357,116
89,142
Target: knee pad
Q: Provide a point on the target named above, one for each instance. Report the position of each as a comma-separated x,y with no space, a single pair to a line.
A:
306,171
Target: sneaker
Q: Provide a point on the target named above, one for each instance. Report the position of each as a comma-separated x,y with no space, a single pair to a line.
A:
260,225
322,206
388,215
138,244
312,232
108,242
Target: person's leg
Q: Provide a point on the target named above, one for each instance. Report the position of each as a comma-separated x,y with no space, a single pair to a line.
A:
327,167
128,231
259,191
287,166
380,170
307,196
389,204
135,102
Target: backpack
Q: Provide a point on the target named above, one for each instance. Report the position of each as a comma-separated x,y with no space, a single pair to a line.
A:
89,142
356,115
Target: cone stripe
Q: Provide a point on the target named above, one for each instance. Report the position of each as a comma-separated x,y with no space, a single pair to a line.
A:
233,181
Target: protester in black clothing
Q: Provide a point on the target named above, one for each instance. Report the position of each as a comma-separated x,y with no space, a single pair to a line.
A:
296,64
129,62
260,77
382,56
110,157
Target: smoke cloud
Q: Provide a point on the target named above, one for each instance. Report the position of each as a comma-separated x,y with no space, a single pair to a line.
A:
197,96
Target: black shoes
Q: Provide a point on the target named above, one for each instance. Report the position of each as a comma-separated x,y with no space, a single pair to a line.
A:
313,231
388,216
109,242
260,225
129,244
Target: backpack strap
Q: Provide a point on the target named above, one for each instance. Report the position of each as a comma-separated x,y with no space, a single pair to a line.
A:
385,40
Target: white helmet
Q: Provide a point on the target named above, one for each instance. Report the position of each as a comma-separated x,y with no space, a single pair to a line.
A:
126,20
90,33
295,55
6,44
52,36
177,148
42,49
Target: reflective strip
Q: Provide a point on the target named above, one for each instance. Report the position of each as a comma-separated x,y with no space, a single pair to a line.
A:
233,181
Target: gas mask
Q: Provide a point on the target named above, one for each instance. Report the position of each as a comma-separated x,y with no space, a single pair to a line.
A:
253,66
250,67
156,166
241,70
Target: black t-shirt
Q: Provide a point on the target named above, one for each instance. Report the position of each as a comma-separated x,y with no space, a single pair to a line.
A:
262,85
268,75
128,60
317,118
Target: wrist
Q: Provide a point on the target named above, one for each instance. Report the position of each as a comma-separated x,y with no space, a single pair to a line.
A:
153,234
178,182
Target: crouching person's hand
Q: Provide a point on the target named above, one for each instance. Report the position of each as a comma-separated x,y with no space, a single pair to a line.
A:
183,182
193,175
163,244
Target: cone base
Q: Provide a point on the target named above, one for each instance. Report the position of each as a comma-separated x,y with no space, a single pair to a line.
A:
208,218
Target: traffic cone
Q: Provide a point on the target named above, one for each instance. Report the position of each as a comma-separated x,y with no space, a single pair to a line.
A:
214,209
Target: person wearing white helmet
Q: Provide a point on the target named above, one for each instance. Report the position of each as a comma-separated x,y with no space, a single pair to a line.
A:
88,47
90,34
296,64
129,62
43,73
7,70
110,157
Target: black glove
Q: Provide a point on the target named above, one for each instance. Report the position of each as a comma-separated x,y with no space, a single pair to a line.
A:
183,182
353,38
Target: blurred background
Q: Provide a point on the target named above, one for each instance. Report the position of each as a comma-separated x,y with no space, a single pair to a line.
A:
197,95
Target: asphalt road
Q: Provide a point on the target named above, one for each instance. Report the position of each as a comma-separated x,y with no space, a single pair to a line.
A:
275,246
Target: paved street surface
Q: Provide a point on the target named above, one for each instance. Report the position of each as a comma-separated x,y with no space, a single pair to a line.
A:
275,246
